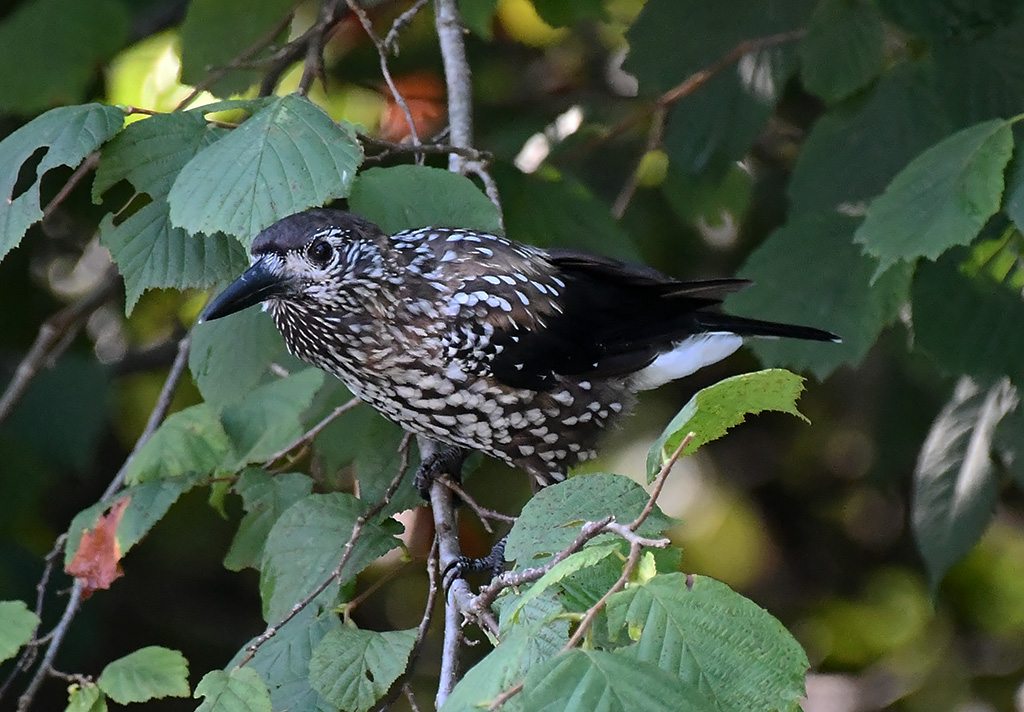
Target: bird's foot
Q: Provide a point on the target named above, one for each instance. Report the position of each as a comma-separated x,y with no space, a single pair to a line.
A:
449,460
494,563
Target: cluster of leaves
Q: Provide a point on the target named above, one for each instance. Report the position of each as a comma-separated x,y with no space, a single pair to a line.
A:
665,640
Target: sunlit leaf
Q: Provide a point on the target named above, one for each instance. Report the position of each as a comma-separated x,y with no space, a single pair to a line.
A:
715,409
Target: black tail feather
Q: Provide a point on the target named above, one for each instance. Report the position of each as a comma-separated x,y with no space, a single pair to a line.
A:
742,326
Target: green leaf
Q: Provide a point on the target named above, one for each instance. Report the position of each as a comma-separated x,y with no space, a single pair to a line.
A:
404,197
86,698
70,40
241,690
968,324
867,142
148,502
305,546
703,633
708,132
478,16
17,624
945,20
264,498
598,681
559,13
225,373
354,668
981,79
942,199
283,661
559,211
660,60
151,253
149,153
217,31
551,520
589,556
1008,444
190,441
955,479
845,300
843,48
287,157
148,673
715,409
268,418
64,136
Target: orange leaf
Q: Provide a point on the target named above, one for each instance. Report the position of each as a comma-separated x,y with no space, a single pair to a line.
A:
424,95
98,559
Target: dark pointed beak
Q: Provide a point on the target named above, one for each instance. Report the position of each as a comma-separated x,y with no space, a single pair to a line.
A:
258,283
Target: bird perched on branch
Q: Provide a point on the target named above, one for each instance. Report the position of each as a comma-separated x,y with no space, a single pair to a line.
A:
482,343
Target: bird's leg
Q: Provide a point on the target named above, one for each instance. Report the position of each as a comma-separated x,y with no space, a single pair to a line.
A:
448,460
494,563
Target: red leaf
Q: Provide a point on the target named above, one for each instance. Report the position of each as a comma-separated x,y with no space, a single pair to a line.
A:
98,559
424,95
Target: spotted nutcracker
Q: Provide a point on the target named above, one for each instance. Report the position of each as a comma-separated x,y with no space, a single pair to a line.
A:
482,343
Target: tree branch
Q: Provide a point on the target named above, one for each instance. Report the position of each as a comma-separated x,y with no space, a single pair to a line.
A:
308,436
55,334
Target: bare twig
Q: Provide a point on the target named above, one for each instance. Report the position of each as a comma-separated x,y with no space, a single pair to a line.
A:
307,437
659,482
382,52
691,84
485,515
314,65
54,336
56,638
238,62
346,554
390,41
87,165
654,137
389,148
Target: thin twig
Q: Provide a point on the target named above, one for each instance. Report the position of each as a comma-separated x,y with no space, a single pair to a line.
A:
163,404
346,554
308,436
238,62
659,482
457,78
314,64
56,637
691,84
400,685
485,515
382,52
54,335
654,137
390,41
87,165
389,148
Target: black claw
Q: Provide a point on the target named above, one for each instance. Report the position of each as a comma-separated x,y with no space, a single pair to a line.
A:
493,563
448,460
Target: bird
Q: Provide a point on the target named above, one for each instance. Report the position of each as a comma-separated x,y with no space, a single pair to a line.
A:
481,343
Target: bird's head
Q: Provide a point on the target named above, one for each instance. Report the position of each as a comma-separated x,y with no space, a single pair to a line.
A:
325,260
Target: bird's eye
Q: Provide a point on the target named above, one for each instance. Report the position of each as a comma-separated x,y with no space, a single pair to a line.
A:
320,252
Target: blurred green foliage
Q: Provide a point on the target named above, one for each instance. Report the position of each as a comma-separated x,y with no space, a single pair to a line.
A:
766,170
